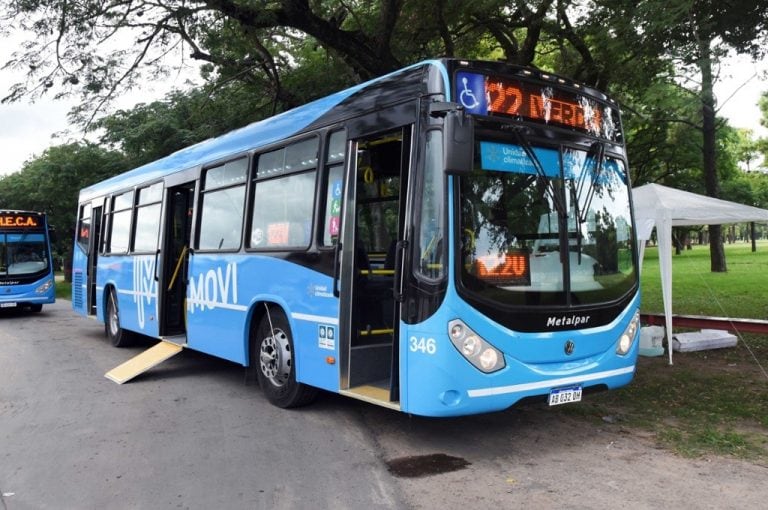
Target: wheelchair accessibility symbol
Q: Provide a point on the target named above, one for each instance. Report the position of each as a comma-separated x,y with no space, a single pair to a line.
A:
467,95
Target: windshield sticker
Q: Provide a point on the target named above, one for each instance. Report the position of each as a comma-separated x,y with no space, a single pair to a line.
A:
504,157
277,233
335,210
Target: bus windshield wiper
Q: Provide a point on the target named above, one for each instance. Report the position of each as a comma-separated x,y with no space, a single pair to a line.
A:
596,154
525,144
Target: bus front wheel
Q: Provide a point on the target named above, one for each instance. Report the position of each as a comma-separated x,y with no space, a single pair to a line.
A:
117,335
273,355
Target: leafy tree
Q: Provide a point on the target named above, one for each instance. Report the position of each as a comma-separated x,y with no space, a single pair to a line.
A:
150,131
658,121
758,183
98,49
262,57
761,144
51,182
696,35
745,148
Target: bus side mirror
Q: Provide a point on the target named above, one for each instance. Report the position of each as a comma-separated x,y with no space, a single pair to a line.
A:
52,235
458,143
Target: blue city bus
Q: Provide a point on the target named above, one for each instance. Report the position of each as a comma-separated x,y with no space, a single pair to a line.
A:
26,266
452,238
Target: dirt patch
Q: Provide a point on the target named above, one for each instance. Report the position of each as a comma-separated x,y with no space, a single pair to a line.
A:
424,465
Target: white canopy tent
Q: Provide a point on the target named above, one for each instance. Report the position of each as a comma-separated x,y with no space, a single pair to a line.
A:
662,207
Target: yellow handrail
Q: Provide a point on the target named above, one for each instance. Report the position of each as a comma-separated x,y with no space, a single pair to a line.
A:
373,332
380,272
178,267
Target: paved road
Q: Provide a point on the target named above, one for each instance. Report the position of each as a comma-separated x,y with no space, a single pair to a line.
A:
194,434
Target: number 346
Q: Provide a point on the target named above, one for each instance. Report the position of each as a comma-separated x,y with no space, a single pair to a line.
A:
423,345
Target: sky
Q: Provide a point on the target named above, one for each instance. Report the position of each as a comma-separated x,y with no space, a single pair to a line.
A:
27,129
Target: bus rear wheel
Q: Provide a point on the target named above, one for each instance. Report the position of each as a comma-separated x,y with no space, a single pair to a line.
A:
117,335
273,355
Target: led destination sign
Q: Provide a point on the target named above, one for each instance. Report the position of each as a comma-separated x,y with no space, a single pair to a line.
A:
14,220
494,95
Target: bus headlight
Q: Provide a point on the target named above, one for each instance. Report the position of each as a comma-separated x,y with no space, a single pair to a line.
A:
471,346
474,348
44,287
628,337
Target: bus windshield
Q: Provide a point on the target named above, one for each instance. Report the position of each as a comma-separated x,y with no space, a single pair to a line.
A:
524,207
23,254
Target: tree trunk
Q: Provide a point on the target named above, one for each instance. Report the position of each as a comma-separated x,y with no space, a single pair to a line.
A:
711,181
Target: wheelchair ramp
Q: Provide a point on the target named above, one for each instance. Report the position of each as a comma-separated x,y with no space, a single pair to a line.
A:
143,362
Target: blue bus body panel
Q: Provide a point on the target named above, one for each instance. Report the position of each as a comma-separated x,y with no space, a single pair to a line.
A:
223,297
441,382
444,383
133,278
14,293
27,293
79,281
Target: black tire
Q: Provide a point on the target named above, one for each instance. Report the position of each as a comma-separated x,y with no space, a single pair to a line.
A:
117,335
272,356
36,308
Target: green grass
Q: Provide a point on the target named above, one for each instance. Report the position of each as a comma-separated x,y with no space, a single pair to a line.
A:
709,402
741,292
63,289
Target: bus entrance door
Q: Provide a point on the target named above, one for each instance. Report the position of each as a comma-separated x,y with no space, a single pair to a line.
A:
381,174
172,286
93,259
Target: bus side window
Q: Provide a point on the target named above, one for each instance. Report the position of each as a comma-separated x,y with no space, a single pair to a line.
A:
223,200
147,218
120,222
84,227
284,196
282,211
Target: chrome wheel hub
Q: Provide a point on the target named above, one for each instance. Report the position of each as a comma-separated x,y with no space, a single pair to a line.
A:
275,358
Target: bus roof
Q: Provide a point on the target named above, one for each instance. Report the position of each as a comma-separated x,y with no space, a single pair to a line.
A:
250,137
20,211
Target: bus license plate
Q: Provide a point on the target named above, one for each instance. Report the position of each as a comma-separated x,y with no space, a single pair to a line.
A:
7,305
565,395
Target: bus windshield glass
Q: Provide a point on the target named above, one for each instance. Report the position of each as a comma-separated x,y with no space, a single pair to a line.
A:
23,254
523,207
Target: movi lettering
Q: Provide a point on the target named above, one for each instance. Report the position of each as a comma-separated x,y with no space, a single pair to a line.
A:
144,286
216,288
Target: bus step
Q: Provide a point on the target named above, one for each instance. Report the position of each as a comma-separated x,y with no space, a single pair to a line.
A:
175,339
143,362
373,393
